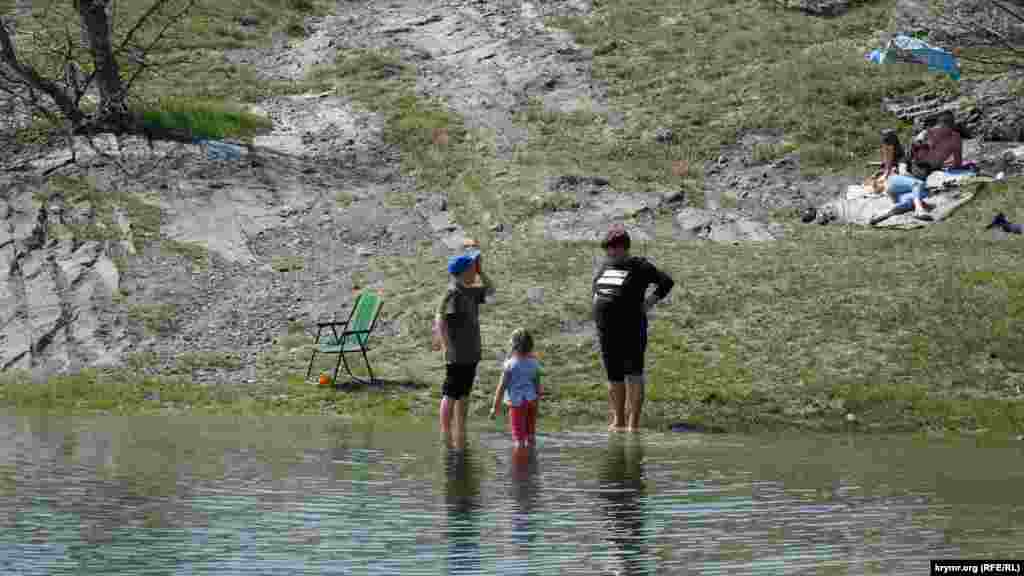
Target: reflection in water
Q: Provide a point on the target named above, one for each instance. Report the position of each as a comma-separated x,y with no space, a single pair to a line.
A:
525,488
622,487
462,493
110,497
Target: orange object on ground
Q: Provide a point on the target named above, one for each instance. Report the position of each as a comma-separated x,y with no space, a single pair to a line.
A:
325,380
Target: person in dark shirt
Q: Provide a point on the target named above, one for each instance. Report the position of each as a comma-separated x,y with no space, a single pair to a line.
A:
620,313
457,332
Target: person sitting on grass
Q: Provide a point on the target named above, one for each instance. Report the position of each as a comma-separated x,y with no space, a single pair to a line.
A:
906,192
941,147
1005,225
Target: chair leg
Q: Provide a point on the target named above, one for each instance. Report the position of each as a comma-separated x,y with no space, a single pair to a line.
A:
368,368
310,370
315,343
341,358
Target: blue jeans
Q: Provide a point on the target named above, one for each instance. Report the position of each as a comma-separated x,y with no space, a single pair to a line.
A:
904,190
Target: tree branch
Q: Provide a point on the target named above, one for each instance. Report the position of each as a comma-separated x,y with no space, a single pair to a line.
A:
138,25
33,79
1015,15
159,37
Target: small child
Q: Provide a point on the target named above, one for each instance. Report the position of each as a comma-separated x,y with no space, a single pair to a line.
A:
520,386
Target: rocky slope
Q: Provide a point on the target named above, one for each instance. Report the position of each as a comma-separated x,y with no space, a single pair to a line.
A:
152,257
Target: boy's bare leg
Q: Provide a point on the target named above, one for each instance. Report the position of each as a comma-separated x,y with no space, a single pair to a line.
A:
634,400
617,405
446,420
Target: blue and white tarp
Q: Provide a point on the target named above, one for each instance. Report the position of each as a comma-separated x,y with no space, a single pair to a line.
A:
906,49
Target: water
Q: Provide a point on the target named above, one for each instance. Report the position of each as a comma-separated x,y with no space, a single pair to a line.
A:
183,496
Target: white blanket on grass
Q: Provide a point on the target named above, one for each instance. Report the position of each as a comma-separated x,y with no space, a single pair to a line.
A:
945,192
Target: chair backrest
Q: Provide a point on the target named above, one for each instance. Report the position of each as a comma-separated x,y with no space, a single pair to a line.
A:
364,316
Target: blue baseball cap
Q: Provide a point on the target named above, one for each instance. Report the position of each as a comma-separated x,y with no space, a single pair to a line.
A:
458,264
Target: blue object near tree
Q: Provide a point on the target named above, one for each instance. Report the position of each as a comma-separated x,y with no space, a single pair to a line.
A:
217,150
903,48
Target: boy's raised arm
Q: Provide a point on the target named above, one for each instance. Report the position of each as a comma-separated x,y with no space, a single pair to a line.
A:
487,283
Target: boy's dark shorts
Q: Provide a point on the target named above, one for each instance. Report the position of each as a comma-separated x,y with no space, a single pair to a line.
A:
622,350
458,380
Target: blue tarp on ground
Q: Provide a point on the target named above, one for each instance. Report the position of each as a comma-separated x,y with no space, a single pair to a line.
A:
906,49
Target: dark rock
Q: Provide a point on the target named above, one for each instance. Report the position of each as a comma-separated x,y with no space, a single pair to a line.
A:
664,136
248,20
826,8
572,182
673,196
911,16
809,214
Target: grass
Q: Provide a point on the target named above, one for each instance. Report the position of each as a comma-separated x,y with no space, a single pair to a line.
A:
156,318
121,392
830,322
190,361
204,119
196,253
903,331
436,146
724,70
288,263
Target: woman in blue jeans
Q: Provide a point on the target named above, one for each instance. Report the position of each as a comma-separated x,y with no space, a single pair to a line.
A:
907,192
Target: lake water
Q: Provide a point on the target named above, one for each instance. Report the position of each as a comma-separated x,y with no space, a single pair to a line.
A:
184,496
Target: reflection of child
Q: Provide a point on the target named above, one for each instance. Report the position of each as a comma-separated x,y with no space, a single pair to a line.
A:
520,386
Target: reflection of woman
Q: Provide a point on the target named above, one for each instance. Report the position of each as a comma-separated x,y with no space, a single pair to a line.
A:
462,494
622,486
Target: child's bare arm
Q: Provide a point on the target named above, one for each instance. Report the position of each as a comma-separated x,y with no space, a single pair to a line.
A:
499,392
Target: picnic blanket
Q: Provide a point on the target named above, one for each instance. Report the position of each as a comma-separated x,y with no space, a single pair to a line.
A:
945,191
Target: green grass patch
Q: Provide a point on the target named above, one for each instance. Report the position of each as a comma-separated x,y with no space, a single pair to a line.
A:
436,146
904,332
288,263
190,361
197,254
204,119
723,70
156,318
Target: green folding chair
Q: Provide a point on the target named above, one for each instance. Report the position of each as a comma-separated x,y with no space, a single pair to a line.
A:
353,337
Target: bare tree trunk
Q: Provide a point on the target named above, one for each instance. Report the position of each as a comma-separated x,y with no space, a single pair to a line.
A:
98,27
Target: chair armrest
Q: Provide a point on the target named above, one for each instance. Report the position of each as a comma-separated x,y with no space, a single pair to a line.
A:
347,332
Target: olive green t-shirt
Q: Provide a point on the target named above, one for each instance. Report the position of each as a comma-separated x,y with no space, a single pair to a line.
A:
460,307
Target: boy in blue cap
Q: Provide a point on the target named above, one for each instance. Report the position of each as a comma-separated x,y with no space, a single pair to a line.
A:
458,333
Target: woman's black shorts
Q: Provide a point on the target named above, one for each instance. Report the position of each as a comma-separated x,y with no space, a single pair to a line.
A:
458,380
622,348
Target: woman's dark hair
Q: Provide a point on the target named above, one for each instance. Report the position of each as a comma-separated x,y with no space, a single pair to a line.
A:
889,137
